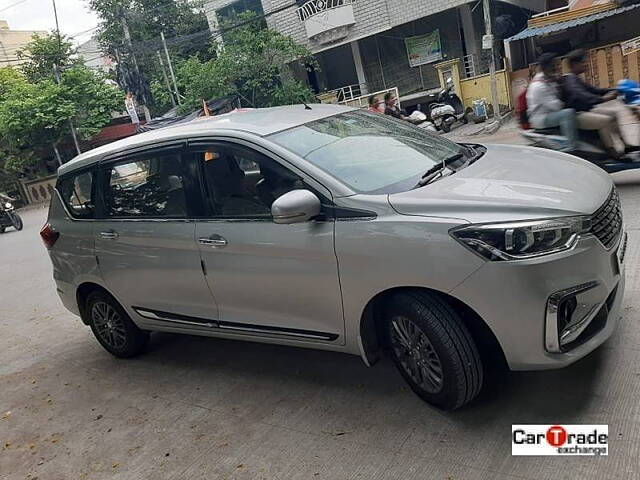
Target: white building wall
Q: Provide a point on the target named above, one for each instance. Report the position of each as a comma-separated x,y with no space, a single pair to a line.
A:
372,16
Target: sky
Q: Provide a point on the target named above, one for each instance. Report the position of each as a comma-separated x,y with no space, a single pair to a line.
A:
74,16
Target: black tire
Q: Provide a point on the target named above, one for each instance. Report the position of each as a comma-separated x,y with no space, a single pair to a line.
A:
113,328
17,222
448,345
2,229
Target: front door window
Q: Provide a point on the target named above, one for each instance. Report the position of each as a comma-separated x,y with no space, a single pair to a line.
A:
243,183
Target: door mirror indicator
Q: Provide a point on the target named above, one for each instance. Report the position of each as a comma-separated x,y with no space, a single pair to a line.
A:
296,206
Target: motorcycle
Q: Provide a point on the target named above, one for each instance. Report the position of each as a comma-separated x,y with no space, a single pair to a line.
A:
589,147
8,216
447,109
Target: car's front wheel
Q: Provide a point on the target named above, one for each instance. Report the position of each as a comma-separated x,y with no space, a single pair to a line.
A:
113,328
433,349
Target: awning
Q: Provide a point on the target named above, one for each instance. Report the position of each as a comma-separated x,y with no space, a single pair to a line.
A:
557,27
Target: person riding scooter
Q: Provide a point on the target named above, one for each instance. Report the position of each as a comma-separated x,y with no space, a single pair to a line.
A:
545,109
594,106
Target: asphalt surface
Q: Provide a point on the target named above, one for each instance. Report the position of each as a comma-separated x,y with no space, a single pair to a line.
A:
198,408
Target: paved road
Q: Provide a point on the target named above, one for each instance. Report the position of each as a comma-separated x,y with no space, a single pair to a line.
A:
196,408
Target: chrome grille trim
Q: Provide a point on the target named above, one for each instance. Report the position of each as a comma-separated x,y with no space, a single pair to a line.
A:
606,222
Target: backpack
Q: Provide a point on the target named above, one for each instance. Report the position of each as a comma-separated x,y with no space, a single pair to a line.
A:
521,110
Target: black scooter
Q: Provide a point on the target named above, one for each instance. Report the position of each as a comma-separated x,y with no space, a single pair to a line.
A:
8,216
447,109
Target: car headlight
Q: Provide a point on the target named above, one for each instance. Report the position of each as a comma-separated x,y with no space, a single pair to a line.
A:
7,205
522,240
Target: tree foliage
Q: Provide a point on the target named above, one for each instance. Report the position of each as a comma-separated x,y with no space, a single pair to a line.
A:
43,52
183,23
35,109
255,64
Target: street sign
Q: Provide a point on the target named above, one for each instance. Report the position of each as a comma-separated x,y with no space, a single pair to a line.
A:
487,42
424,49
630,46
131,108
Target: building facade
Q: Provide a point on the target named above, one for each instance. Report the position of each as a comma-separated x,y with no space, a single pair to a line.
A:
372,45
11,41
93,56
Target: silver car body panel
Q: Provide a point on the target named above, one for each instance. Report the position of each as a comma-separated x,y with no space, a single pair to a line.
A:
155,265
319,276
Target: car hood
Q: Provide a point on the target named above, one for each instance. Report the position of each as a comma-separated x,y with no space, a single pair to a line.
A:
511,183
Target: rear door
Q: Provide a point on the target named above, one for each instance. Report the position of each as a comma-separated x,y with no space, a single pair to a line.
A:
268,279
144,238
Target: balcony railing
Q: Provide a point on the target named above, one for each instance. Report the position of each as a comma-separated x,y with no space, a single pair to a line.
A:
327,20
313,7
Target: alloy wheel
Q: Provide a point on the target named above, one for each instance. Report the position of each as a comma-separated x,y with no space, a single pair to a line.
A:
416,354
108,324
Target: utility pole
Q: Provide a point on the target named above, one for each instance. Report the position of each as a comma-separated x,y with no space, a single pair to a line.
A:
127,36
173,77
486,6
166,79
56,74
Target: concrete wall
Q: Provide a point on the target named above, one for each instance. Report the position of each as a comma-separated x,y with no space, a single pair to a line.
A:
478,87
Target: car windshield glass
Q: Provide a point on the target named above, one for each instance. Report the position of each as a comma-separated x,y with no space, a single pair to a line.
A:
370,153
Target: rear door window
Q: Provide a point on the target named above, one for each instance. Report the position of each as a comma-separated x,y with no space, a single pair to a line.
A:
150,187
76,192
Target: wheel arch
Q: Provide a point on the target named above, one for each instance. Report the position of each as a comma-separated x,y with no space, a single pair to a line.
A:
82,293
371,336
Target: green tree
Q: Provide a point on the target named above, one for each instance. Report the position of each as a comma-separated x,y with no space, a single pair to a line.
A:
42,53
183,23
34,117
93,98
255,64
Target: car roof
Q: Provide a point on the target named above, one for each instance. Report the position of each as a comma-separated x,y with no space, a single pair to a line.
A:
259,121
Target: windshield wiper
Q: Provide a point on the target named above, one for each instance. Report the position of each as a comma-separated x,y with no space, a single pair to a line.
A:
437,169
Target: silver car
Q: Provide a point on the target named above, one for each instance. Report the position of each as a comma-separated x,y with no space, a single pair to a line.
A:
337,229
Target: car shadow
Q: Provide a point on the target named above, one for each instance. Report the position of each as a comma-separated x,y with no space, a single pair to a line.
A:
532,397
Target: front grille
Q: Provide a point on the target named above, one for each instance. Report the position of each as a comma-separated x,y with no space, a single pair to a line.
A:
606,223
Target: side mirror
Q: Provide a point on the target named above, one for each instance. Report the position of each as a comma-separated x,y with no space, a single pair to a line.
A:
296,206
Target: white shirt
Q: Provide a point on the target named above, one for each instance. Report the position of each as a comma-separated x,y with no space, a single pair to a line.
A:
543,97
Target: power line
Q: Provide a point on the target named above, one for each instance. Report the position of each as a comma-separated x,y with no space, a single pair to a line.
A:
12,5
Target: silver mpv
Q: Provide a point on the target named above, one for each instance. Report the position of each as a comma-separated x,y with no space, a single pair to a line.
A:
338,229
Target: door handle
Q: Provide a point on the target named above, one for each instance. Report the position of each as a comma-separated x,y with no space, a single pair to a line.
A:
109,234
213,241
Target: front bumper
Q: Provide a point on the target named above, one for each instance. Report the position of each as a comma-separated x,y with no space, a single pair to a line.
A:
516,300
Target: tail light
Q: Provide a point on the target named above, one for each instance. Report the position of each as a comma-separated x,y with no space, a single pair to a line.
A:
49,236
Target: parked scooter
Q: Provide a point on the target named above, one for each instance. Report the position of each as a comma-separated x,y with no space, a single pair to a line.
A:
8,215
447,109
589,146
420,120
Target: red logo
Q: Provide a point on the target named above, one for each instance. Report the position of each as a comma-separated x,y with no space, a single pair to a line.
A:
556,436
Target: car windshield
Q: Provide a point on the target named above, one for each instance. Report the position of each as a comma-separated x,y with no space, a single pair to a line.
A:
370,153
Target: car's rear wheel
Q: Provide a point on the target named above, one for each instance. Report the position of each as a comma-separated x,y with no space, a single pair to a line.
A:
433,349
113,328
